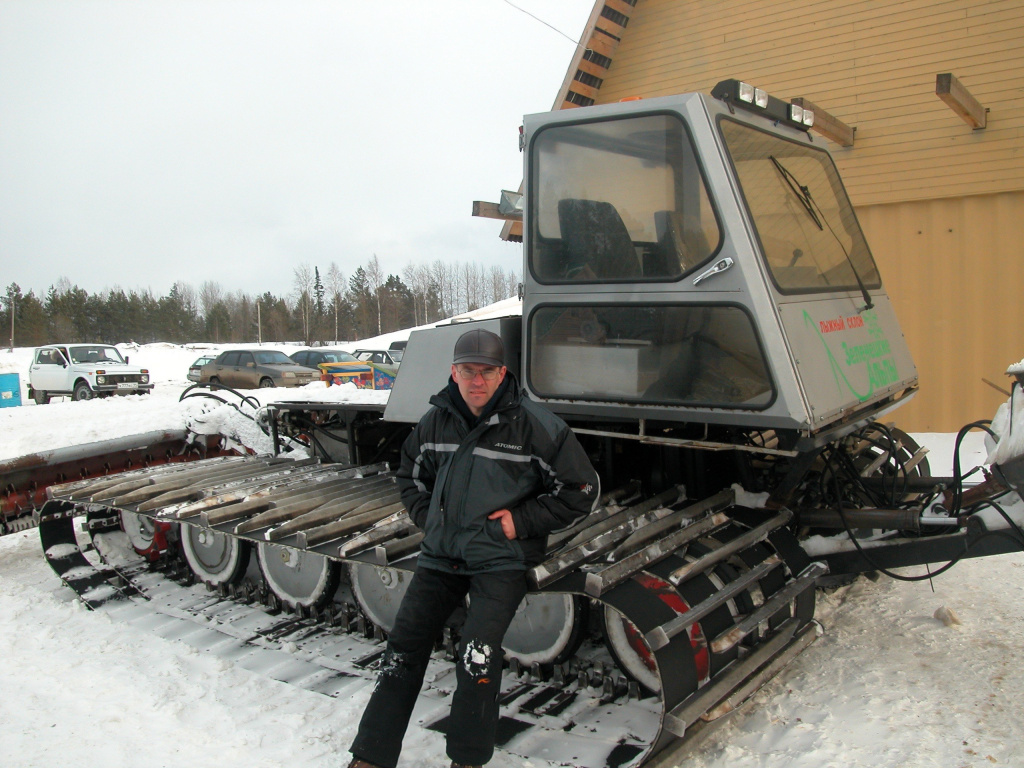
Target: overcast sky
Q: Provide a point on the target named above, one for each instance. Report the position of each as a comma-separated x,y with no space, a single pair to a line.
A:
146,142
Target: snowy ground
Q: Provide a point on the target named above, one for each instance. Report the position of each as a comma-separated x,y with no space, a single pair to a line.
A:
888,685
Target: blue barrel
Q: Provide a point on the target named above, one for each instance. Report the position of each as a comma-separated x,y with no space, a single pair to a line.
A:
10,390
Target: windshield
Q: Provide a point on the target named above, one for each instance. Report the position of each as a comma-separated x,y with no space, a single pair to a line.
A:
620,200
273,358
805,222
95,354
338,357
396,354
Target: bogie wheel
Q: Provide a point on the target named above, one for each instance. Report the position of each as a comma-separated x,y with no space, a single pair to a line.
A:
82,391
547,629
40,397
214,557
299,579
379,591
148,537
266,383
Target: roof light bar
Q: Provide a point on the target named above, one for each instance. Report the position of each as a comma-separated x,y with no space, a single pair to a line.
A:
758,101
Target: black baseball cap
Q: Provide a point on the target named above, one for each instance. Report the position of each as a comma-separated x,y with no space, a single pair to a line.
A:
479,346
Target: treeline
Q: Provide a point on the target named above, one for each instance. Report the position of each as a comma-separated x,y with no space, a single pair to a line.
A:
322,307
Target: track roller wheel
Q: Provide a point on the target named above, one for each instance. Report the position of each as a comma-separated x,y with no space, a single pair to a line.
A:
214,557
631,652
379,591
147,536
301,580
547,629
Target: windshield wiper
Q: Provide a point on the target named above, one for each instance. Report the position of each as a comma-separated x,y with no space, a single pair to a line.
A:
803,194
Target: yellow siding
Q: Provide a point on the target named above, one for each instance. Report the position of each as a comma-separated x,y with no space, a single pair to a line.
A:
954,269
872,64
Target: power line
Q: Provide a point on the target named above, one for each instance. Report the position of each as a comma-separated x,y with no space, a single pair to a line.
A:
538,18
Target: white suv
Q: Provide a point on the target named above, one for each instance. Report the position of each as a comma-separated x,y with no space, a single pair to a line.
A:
83,371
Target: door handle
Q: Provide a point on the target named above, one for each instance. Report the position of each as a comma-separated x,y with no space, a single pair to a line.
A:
718,267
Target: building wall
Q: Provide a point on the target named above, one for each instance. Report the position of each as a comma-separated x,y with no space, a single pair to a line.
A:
942,204
954,269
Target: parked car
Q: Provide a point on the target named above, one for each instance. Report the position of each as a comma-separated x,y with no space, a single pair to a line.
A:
390,357
83,371
196,369
311,358
256,368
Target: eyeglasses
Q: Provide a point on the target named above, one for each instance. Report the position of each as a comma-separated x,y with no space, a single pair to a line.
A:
468,374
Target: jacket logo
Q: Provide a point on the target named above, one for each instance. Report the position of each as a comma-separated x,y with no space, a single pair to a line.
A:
509,446
587,489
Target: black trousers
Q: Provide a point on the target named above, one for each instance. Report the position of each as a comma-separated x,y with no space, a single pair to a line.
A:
431,598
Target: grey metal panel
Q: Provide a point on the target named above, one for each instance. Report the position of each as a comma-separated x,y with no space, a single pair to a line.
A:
426,366
846,358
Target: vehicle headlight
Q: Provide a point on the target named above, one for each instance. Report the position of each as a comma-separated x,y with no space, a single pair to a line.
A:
289,375
101,379
144,378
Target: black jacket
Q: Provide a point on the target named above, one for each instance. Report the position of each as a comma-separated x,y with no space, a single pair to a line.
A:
519,456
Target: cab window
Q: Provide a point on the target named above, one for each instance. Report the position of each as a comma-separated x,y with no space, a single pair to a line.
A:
698,355
618,201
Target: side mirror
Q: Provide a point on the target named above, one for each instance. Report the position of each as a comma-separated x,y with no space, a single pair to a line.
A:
250,365
127,360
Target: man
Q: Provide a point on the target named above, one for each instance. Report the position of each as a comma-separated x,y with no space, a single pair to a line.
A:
486,475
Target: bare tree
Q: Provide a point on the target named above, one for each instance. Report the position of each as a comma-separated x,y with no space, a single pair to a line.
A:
336,285
375,281
210,293
445,278
417,278
303,298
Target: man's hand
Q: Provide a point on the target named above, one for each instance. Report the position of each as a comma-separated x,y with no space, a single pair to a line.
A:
508,527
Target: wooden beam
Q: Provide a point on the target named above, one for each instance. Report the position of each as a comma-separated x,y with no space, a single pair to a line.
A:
490,211
592,68
610,27
621,6
601,43
960,100
827,125
583,90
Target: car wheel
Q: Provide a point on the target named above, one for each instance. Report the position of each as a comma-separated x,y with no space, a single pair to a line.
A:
40,397
214,381
265,383
82,391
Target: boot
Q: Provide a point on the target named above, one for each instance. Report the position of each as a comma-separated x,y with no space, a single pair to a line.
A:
357,763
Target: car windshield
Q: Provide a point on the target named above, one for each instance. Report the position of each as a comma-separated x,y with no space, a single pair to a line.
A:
272,358
202,361
339,357
95,354
364,355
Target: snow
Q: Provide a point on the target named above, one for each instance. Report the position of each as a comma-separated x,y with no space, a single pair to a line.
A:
892,682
